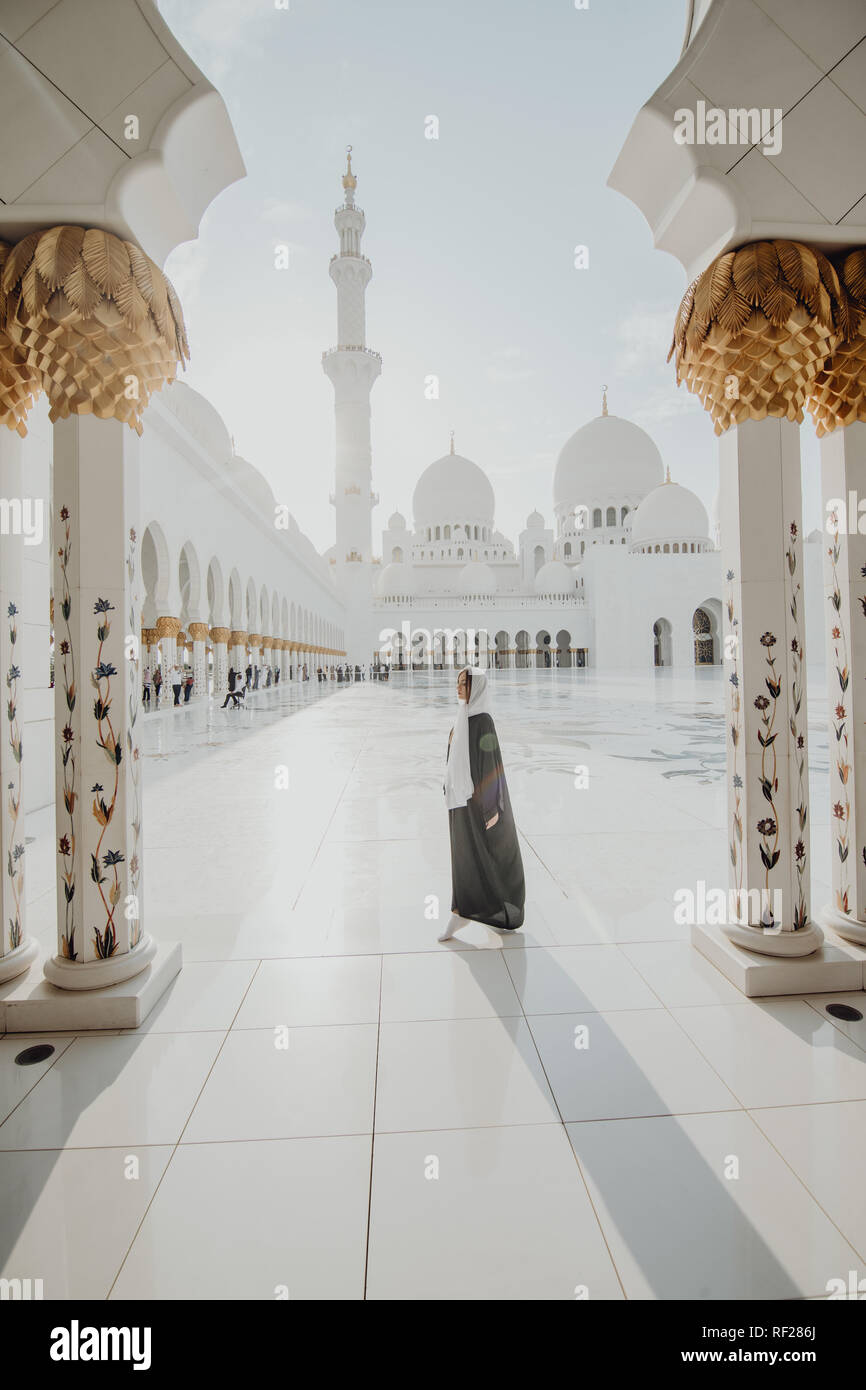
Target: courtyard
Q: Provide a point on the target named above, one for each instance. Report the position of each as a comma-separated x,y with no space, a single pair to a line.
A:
328,1103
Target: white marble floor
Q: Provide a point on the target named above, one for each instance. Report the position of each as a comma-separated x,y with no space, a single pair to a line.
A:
329,1104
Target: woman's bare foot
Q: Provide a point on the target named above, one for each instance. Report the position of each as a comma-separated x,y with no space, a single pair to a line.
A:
454,924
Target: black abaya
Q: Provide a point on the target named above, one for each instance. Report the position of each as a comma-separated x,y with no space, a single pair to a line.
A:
486,868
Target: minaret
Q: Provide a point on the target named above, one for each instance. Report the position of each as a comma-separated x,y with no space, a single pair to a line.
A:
353,368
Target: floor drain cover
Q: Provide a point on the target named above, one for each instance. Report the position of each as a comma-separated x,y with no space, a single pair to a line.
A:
31,1055
844,1011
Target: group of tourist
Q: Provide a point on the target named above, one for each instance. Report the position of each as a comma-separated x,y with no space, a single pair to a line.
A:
182,682
344,673
180,679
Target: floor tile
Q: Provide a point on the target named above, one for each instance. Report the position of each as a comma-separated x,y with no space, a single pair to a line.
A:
292,1223
69,1217
308,1083
447,984
457,1074
482,1204
119,1090
825,1144
777,1052
679,1228
578,979
629,1063
315,991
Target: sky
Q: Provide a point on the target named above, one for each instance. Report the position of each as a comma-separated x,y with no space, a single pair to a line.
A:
472,239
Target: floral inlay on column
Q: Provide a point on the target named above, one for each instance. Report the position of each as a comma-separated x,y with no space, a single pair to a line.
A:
66,841
840,765
768,826
105,938
801,912
15,853
131,744
735,730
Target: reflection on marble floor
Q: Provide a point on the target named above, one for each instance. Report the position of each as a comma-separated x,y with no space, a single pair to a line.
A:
329,1102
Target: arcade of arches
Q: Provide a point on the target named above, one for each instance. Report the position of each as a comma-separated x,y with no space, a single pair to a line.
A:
502,651
223,622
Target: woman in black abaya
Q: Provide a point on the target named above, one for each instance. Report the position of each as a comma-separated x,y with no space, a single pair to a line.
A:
486,868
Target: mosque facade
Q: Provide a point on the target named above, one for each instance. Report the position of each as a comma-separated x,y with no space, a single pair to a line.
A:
629,573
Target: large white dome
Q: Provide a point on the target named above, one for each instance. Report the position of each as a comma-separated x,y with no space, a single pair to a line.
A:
396,581
453,490
610,458
554,578
670,513
476,578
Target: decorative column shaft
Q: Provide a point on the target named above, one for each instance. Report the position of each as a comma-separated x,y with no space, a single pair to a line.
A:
220,636
97,587
238,642
752,334
167,629
199,634
760,511
843,481
17,950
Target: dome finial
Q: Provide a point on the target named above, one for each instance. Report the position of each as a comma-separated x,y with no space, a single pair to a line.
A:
668,474
604,400
452,441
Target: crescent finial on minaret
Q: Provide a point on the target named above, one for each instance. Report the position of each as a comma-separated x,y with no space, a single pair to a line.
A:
452,441
604,400
349,180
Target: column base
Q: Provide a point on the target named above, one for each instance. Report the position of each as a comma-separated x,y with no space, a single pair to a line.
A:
848,927
829,969
784,944
36,1006
19,960
100,974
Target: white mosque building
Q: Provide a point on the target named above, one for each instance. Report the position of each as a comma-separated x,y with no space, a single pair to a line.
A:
629,574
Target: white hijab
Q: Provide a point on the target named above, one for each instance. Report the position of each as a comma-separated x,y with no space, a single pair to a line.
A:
458,775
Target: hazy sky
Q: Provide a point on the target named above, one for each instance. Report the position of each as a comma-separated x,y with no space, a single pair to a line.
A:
471,237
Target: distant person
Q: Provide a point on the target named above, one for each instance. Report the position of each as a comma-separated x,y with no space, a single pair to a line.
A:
249,677
487,882
187,688
232,679
145,687
157,684
176,682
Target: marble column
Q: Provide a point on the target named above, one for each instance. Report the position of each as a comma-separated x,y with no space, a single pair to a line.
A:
97,588
765,665
267,657
220,636
843,484
199,633
255,653
238,654
17,949
167,629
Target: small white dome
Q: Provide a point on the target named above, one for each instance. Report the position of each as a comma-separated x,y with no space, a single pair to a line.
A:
453,489
397,522
476,578
607,458
535,522
670,513
396,581
554,578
